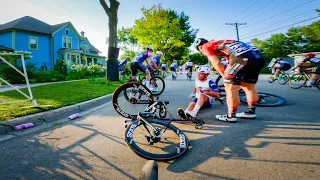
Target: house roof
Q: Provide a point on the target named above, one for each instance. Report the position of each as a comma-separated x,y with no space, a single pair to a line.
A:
5,48
92,48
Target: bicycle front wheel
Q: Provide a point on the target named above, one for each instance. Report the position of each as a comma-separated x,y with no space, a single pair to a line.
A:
158,84
284,78
131,98
266,100
271,78
170,144
296,81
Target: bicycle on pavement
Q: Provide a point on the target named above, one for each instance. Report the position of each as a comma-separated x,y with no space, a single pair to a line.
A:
299,80
283,78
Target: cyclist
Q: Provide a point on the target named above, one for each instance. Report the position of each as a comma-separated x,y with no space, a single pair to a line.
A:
180,69
202,85
123,63
137,64
311,57
173,68
189,65
244,65
284,66
164,69
155,61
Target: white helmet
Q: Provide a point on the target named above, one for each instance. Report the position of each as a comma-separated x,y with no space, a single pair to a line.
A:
150,47
203,69
159,53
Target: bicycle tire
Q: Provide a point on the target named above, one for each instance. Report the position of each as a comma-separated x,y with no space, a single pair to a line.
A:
281,101
142,91
284,78
297,77
318,83
180,150
162,82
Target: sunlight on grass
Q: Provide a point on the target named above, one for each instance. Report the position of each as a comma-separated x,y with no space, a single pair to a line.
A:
53,96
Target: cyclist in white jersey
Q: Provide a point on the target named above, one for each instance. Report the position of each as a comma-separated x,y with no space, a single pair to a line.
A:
203,93
189,65
164,69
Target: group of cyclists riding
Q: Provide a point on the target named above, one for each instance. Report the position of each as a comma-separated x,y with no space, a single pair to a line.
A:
240,69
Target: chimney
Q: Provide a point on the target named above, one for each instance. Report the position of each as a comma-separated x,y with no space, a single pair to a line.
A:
82,34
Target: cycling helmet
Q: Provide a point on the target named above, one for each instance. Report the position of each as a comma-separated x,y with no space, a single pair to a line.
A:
310,55
175,61
150,47
200,42
203,69
189,60
159,53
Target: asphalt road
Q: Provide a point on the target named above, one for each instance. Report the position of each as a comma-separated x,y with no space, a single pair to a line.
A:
282,143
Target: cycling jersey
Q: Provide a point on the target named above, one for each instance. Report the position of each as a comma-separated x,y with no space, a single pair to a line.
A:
142,57
205,86
281,62
122,64
163,65
314,60
155,59
175,65
189,64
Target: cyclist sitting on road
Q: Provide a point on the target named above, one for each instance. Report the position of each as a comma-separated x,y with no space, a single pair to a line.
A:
164,70
173,68
284,66
204,87
189,66
137,64
244,65
123,63
311,57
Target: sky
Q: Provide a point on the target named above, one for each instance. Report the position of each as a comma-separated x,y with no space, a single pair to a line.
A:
209,16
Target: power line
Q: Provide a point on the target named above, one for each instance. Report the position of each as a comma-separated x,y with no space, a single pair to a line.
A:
236,25
237,15
280,27
258,9
280,13
308,12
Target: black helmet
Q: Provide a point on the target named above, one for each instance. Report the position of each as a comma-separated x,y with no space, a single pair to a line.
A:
200,42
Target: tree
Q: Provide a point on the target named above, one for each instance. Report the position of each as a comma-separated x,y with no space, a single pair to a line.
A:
164,31
126,41
113,51
198,58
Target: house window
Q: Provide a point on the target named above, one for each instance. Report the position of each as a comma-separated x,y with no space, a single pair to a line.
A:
66,42
67,31
85,49
33,43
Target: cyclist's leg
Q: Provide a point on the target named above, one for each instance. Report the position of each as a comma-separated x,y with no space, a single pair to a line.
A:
134,70
314,76
276,74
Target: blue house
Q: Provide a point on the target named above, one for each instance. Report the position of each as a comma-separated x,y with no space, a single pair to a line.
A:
48,43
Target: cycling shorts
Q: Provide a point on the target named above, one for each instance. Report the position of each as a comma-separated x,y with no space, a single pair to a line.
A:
244,68
172,69
135,66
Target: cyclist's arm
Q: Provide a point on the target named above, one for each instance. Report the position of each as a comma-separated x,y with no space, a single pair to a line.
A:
154,65
216,63
302,62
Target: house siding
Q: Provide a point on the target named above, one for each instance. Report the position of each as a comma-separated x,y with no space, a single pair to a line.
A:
57,41
41,56
6,39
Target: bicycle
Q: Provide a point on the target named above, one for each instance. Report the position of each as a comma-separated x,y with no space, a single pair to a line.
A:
174,76
265,99
189,75
298,80
283,78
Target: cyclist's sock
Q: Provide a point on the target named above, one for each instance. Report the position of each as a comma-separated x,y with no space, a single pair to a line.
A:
196,108
232,111
252,107
275,77
147,84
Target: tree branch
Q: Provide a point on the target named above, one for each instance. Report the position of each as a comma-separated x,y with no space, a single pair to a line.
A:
105,7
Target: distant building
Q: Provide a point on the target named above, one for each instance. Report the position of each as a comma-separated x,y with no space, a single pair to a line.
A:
48,43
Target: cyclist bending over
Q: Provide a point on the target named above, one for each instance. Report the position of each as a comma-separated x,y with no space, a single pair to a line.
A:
244,65
189,65
137,64
311,57
284,66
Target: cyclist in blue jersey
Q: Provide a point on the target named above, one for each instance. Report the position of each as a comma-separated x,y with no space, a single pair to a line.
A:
284,66
173,68
137,64
155,61
123,63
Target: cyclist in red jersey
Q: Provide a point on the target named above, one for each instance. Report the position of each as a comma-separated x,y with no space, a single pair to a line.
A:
244,65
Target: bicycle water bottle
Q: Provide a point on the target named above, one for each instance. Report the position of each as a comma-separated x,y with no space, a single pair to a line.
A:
23,126
74,116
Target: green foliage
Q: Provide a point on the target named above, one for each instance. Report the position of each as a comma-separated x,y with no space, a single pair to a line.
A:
126,41
131,54
95,80
61,67
198,58
165,30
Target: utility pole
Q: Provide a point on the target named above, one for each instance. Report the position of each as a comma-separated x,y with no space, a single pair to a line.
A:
236,25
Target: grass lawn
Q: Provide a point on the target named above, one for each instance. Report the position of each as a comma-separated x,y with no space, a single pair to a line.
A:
53,96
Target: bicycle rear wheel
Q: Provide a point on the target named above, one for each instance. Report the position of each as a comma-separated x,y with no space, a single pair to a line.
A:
265,100
296,81
131,98
284,78
318,83
170,144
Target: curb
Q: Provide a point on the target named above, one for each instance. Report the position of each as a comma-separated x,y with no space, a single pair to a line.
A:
53,115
